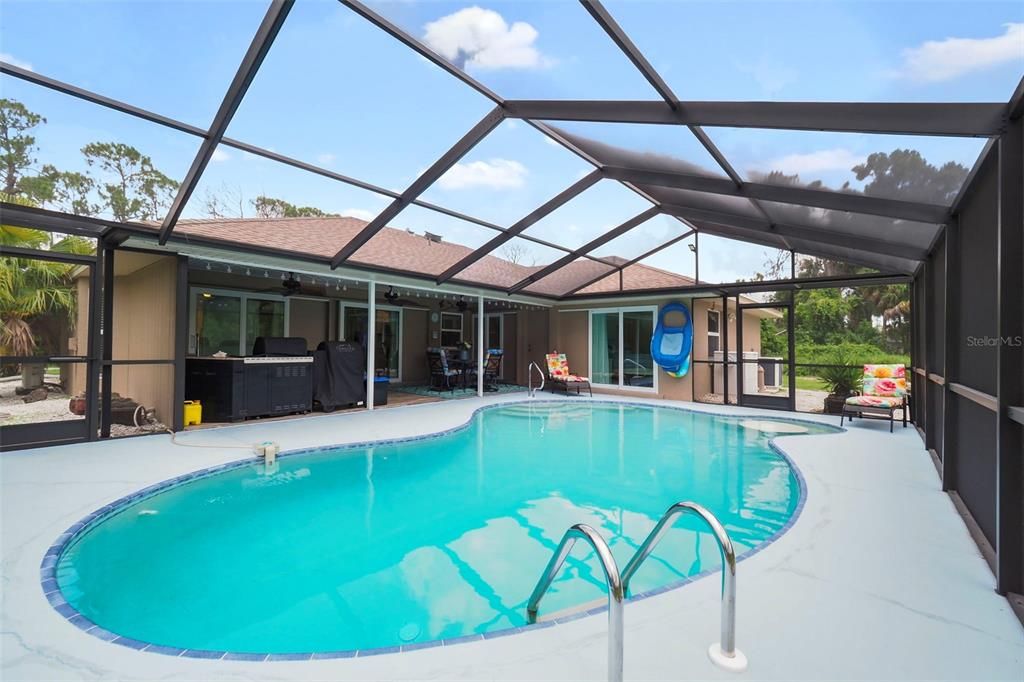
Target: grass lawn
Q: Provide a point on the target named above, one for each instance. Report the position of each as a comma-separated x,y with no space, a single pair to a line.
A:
808,383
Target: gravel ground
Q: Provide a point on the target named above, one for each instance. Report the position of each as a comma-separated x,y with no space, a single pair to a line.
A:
13,410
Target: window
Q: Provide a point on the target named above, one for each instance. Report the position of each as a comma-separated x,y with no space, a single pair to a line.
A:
451,329
714,333
388,335
620,348
230,321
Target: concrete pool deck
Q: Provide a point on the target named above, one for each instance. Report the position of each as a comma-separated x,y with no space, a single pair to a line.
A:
877,579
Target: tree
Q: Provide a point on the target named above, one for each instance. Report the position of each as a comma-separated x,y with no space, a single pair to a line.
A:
269,207
517,253
226,202
33,290
136,190
904,174
16,145
67,191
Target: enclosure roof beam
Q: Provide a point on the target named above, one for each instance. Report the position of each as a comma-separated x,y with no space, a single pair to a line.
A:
801,232
956,119
804,196
632,261
478,132
622,39
633,53
586,248
89,96
146,115
537,214
1015,109
34,218
254,56
739,288
430,55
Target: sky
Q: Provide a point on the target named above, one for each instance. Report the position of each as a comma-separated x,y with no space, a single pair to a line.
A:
338,92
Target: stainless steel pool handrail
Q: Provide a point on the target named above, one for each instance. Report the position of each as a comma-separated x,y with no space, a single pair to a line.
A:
616,593
529,379
723,653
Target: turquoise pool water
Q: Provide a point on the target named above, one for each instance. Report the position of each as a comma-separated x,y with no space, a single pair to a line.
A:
430,539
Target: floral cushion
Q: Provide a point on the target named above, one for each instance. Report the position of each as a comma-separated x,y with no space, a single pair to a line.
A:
885,381
874,401
558,368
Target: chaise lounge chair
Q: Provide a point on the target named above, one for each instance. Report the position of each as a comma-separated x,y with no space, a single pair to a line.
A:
559,374
884,392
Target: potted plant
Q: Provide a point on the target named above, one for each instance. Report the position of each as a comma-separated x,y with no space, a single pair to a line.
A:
841,381
463,348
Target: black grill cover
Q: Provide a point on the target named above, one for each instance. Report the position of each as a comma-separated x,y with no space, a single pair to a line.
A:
338,374
291,346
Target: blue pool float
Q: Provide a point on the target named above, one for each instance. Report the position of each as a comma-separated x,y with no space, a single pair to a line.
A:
671,346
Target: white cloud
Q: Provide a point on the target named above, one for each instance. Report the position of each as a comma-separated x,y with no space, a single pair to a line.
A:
360,213
816,162
770,75
481,38
219,155
941,60
493,174
11,59
325,159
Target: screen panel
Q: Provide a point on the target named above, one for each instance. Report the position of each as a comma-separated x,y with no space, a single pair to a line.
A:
522,50
319,98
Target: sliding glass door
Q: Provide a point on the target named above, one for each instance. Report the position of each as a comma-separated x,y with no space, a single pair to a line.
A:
604,348
637,364
620,348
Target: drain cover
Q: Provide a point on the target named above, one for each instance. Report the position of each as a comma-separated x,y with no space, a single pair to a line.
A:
409,632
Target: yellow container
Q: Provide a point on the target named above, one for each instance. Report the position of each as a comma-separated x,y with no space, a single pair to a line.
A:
193,412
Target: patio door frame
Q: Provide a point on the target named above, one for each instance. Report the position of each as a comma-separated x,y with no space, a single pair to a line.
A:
37,434
501,335
378,307
769,402
621,386
196,290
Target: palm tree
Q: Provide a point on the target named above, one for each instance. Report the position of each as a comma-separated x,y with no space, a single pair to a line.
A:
31,289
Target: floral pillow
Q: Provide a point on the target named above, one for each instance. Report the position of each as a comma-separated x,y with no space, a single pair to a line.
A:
557,365
885,380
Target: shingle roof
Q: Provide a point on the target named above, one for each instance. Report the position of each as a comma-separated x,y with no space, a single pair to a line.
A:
398,249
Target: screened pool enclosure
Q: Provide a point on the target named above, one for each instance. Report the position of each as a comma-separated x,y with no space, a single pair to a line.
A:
374,149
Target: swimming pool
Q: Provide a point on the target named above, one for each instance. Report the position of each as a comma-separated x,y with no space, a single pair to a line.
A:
402,544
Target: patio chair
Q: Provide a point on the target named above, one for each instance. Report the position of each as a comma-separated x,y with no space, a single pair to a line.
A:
440,374
492,368
884,392
559,374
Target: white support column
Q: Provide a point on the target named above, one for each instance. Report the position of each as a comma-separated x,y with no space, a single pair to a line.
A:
371,341
480,347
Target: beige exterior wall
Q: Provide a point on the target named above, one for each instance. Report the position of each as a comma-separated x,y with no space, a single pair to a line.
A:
415,340
570,325
78,344
310,319
143,329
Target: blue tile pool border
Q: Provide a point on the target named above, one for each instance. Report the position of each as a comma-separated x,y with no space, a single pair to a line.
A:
51,558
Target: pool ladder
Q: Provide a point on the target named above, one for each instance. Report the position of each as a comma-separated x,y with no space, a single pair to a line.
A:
529,379
723,654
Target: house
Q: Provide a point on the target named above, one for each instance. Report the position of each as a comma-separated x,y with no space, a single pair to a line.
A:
232,297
